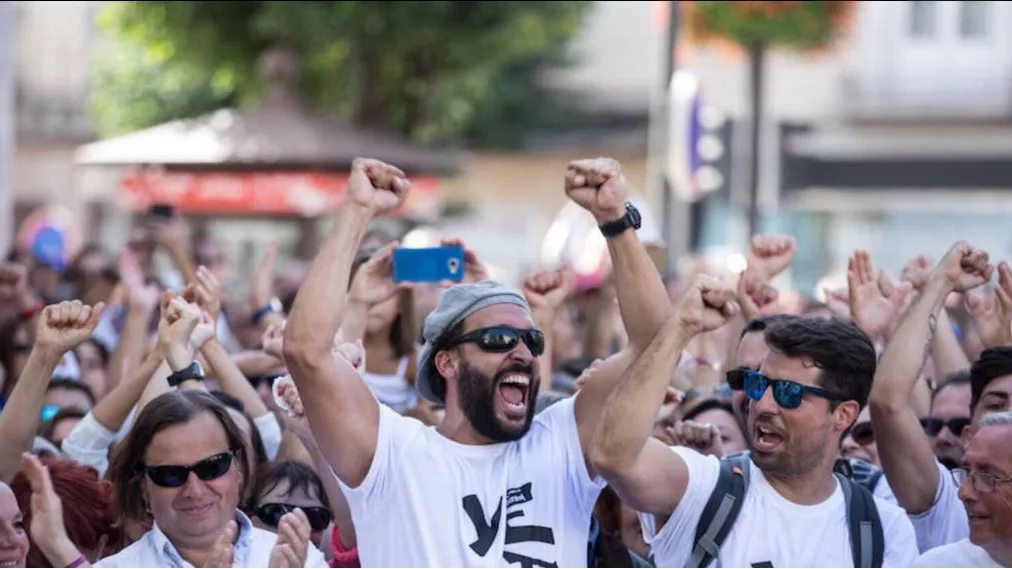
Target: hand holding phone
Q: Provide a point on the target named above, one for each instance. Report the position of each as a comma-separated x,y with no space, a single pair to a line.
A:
429,264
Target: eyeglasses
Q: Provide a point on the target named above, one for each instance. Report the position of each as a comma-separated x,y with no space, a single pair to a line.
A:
983,482
862,433
736,378
502,339
933,425
174,476
270,514
788,394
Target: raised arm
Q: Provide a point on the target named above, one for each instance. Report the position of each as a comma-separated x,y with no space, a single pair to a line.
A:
906,455
645,474
60,327
599,187
342,412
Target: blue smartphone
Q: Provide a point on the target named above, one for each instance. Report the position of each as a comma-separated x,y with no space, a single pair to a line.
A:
429,264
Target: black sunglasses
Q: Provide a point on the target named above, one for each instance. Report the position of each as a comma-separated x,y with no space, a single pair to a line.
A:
862,433
788,394
502,339
270,514
933,425
736,378
174,476
257,380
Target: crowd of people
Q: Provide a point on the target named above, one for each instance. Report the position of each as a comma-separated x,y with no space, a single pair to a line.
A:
336,417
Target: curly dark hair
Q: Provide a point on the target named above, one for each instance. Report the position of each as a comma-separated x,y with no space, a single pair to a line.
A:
838,347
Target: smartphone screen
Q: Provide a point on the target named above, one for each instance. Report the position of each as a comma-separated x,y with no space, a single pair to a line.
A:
429,264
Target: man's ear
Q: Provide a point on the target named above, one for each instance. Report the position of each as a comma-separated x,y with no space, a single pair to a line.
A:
446,363
846,414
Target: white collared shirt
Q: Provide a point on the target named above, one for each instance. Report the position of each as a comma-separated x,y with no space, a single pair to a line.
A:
252,549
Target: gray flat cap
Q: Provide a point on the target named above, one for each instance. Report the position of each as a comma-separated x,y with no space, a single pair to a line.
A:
456,304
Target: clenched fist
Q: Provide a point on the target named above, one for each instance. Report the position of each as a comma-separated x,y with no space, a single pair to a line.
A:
770,255
65,325
701,437
597,185
965,267
707,305
547,290
376,186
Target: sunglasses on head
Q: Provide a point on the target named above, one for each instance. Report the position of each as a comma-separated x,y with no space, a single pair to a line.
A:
174,476
270,514
788,394
502,339
933,425
862,433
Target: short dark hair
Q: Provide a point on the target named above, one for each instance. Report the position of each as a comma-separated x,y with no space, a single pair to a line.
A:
126,470
437,382
993,363
960,377
295,474
839,348
71,385
708,405
763,322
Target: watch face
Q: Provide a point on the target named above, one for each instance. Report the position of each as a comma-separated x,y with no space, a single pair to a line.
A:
198,369
634,215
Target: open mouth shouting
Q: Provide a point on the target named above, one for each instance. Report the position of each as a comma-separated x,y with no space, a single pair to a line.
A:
766,438
514,393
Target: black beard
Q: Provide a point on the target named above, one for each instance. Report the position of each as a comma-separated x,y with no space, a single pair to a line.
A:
477,393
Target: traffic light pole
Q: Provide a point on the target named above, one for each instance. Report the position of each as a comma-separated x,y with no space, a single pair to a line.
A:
7,122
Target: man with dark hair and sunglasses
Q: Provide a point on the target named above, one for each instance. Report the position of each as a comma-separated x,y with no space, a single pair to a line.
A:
809,389
948,415
922,484
493,484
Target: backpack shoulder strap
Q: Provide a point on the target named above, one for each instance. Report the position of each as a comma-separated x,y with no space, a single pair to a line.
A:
867,541
721,510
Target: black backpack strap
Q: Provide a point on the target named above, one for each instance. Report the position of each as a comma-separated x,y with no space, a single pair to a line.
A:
867,542
721,510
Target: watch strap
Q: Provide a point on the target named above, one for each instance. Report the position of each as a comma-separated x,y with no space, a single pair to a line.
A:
631,220
188,373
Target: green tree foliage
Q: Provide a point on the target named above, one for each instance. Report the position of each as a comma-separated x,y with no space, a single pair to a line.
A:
434,70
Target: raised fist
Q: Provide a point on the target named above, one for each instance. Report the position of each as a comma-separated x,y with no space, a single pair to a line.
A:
376,186
965,267
179,319
757,297
701,437
597,185
707,305
992,313
547,290
65,325
770,255
917,270
273,341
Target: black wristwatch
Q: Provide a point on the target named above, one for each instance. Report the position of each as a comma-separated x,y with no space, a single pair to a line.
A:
190,372
273,305
631,220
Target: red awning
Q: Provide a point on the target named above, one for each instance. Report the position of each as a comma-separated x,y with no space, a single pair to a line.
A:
305,194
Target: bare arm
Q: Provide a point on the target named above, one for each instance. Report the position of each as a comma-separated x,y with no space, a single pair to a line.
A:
114,408
906,455
647,476
20,418
946,352
342,412
231,380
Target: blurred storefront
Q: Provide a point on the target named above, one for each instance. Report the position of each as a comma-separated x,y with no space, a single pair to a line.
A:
246,177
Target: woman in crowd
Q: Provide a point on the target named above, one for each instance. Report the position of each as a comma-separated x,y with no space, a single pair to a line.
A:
282,487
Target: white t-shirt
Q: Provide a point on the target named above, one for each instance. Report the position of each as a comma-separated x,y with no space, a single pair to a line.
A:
770,530
945,522
428,501
959,554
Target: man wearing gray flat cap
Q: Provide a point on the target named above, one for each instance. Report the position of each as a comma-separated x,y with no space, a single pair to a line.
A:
493,485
